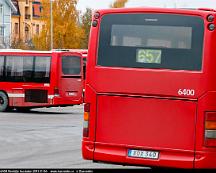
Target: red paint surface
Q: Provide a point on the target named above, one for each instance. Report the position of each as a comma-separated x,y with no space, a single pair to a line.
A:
141,109
57,79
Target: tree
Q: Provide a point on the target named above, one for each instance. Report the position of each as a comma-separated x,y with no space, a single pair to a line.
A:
119,4
18,43
86,25
67,32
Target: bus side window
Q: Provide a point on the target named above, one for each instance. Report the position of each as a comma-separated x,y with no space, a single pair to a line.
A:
14,68
71,65
1,68
18,68
84,70
42,69
28,69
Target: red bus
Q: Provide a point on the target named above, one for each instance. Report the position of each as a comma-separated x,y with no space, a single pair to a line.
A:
30,79
151,88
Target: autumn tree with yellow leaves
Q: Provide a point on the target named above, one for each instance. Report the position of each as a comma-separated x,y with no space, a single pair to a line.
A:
119,3
86,25
67,31
70,27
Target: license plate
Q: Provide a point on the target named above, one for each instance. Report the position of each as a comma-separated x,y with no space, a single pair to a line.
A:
143,154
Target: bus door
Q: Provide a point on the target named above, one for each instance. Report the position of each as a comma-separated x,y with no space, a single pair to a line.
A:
71,79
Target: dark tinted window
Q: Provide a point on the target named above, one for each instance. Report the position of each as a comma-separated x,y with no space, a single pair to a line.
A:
42,69
151,41
19,68
175,37
14,68
1,68
28,69
25,69
71,65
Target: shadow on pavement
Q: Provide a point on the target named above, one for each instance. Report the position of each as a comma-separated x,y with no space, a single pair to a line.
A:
38,112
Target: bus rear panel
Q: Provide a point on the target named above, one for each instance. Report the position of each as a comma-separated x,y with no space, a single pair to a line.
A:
150,88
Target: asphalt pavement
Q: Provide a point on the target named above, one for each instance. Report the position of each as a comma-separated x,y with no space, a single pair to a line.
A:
44,138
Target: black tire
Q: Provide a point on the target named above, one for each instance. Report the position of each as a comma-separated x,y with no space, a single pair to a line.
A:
23,109
3,102
9,109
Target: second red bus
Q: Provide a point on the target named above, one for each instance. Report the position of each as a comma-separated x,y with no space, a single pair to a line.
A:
30,79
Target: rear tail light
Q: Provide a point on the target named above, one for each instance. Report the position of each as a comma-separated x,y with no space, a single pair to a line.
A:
56,91
86,120
210,129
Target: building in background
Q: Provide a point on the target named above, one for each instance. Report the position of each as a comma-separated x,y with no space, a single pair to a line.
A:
6,8
26,21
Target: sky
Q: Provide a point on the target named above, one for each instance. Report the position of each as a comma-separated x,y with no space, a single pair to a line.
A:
98,4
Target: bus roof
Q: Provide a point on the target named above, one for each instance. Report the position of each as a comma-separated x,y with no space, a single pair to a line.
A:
156,9
24,51
81,51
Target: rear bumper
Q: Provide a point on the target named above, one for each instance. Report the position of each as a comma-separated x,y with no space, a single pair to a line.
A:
66,101
87,150
205,160
167,158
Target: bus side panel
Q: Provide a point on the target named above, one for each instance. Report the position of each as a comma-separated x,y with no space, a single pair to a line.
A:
18,97
17,93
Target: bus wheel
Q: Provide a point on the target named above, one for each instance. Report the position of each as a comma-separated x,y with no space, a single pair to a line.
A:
23,109
3,102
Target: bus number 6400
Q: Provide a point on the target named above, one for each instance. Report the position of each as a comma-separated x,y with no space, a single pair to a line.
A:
186,92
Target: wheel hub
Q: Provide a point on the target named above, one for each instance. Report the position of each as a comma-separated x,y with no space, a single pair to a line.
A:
1,101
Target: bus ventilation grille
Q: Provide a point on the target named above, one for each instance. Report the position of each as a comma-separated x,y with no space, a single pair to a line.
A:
36,96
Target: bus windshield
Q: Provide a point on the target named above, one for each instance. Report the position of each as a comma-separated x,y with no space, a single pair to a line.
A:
158,41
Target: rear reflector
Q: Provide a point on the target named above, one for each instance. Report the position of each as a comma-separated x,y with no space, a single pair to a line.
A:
210,129
210,116
210,142
85,132
86,120
56,91
87,107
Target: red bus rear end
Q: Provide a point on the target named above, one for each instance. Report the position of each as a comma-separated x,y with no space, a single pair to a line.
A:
30,79
150,88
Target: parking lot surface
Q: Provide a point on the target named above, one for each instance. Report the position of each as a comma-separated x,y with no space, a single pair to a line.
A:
44,138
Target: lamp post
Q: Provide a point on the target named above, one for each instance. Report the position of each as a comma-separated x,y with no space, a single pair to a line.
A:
175,4
51,24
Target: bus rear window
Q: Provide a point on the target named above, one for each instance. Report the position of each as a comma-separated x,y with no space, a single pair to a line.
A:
151,36
71,65
151,41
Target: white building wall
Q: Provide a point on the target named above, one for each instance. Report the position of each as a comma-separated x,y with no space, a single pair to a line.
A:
5,23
